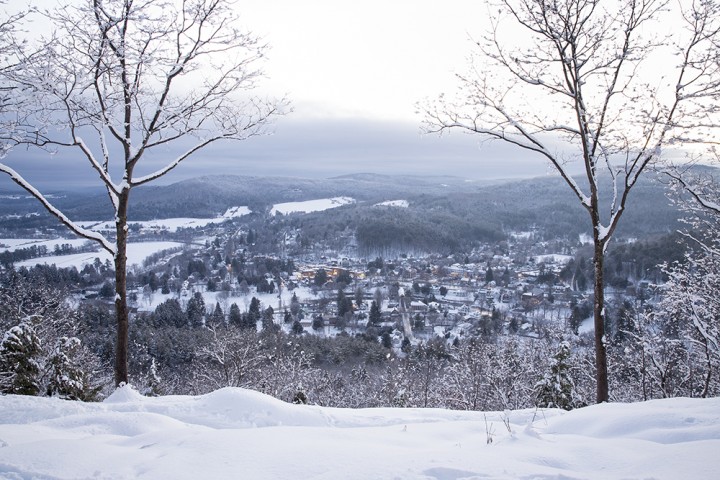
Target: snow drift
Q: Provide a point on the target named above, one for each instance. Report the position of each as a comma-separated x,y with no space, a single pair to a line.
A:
236,433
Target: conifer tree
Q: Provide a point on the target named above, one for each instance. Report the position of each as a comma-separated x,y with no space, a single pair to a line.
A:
68,379
218,316
19,360
254,310
235,317
557,389
196,310
375,316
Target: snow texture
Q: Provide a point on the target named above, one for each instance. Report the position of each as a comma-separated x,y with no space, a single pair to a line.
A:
394,203
12,244
311,205
236,433
136,253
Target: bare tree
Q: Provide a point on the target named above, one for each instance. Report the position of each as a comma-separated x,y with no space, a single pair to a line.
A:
691,302
120,79
11,52
592,86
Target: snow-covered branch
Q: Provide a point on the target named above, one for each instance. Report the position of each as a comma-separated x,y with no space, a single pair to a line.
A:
83,232
697,191
120,77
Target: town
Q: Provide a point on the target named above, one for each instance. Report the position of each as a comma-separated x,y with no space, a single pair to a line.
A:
514,286
340,300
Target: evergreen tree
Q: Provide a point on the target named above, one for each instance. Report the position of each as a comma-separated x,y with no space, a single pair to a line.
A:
321,277
375,317
67,378
235,317
170,313
624,324
19,360
268,321
557,389
218,316
344,304
359,295
318,323
489,275
153,282
344,278
297,328
107,290
253,313
154,381
196,310
294,306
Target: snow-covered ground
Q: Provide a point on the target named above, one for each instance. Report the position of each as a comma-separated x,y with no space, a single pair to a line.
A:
12,244
553,258
137,252
149,302
394,203
167,224
173,224
310,205
235,433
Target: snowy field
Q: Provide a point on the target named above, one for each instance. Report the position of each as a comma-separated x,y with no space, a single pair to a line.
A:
137,252
310,205
394,203
12,244
553,258
240,434
150,302
169,224
173,224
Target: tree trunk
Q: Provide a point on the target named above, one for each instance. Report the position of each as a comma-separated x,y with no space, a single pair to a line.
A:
601,375
121,305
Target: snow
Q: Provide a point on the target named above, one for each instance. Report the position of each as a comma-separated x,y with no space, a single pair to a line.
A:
173,224
226,299
234,212
311,205
170,224
553,258
521,235
12,244
585,239
587,325
394,203
136,253
236,433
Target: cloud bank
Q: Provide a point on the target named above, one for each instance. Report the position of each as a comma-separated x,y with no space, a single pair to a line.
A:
314,148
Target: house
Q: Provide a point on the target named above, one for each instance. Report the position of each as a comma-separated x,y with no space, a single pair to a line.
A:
418,307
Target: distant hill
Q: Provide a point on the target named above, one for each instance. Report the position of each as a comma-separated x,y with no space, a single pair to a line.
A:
453,205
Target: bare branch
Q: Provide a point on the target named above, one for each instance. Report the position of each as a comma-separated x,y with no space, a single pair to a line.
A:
576,73
83,232
120,77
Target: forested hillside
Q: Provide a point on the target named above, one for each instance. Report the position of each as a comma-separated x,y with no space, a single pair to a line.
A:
445,213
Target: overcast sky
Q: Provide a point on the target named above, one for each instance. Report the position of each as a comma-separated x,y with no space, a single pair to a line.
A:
354,72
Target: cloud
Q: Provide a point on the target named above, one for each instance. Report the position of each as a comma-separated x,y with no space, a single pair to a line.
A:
336,146
321,147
